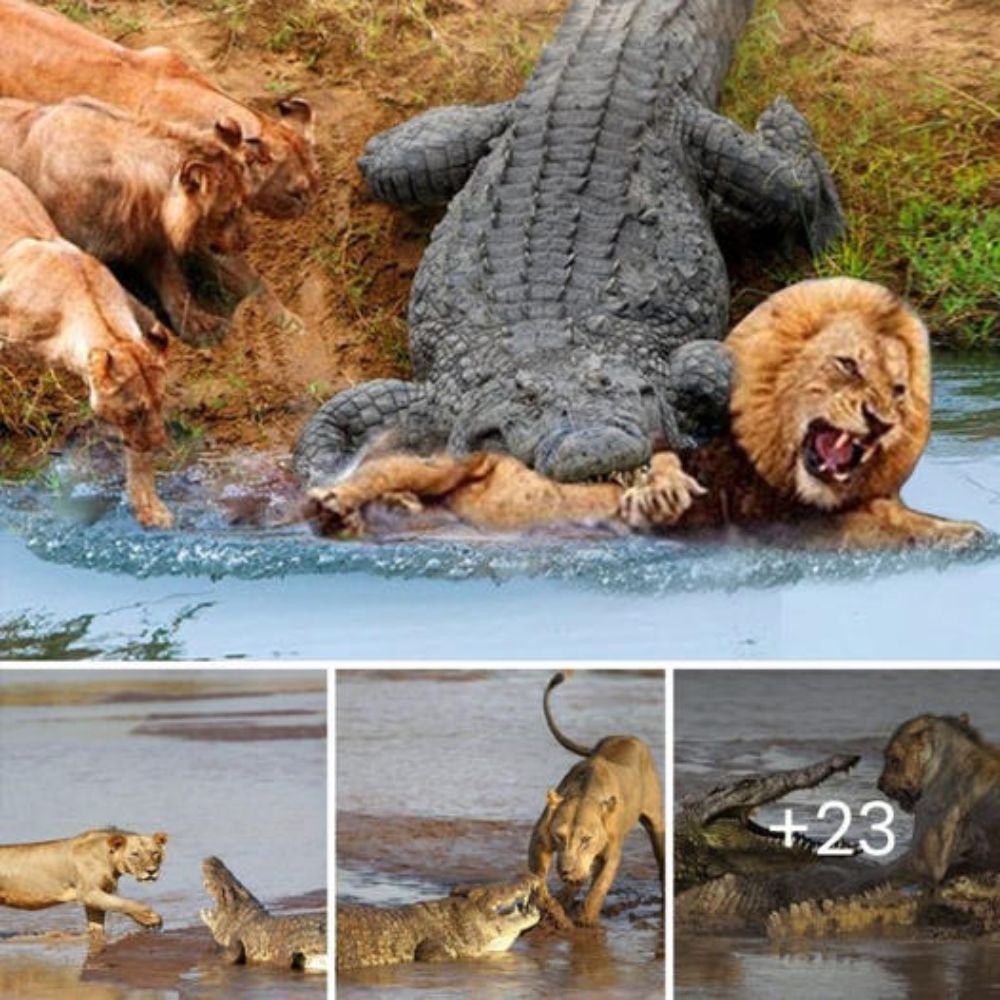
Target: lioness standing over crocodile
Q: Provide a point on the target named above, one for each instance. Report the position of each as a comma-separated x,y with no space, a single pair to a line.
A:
587,818
83,869
241,924
471,922
568,307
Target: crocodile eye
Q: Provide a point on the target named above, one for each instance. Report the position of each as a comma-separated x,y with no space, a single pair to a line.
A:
848,366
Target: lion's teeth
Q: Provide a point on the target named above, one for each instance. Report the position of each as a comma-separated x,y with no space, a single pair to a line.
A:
843,440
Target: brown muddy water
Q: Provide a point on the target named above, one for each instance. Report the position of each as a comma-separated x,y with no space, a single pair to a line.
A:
231,763
440,778
734,722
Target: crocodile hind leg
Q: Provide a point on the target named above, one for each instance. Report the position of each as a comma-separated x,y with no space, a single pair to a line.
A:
343,424
775,178
428,159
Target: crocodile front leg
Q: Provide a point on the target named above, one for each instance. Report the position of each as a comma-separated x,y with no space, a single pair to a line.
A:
701,375
773,178
343,424
427,159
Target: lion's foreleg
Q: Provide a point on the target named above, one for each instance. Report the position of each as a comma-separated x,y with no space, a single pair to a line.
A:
107,902
888,522
95,928
591,911
192,324
140,479
398,473
540,856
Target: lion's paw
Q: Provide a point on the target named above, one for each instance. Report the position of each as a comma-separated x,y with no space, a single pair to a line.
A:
333,512
663,499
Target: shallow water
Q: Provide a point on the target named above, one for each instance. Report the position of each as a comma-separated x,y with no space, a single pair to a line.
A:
80,578
212,772
431,760
730,723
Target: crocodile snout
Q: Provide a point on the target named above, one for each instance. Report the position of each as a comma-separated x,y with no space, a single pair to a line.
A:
588,452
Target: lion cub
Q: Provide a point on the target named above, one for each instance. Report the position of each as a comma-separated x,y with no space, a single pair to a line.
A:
587,818
134,191
62,306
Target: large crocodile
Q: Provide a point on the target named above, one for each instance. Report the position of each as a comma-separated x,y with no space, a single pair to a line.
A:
569,305
469,923
249,933
731,873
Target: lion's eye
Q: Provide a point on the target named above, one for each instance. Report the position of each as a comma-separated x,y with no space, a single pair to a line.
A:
584,841
848,366
899,390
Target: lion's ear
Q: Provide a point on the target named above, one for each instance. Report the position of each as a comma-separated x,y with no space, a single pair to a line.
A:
964,719
194,176
553,798
228,132
100,366
609,805
116,841
157,336
160,838
296,110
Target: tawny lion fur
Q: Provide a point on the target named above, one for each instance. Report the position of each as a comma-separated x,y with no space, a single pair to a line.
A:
62,306
140,192
587,817
942,770
839,353
82,869
47,57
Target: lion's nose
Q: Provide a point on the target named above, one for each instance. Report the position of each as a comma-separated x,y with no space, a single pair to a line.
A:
877,425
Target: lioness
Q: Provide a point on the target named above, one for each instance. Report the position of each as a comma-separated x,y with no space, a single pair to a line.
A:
61,305
47,57
84,869
587,817
830,411
941,769
139,192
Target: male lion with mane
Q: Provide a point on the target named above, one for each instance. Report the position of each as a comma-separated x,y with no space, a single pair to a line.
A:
83,869
62,306
829,413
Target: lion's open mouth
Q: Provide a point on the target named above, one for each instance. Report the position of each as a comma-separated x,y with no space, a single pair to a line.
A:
832,454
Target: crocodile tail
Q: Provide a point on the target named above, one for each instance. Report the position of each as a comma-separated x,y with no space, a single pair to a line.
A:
564,741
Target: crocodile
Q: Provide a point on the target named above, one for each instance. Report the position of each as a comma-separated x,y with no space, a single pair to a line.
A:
569,306
471,922
731,873
965,906
249,933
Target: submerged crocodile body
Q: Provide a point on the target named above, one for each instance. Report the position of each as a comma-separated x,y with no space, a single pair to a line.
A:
569,306
964,906
249,933
469,923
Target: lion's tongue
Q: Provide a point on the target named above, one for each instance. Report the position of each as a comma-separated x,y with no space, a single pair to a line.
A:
835,449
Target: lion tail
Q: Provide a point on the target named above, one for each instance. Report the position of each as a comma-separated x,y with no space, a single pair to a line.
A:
564,741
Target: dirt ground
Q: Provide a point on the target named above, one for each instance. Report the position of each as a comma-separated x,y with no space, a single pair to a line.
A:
346,268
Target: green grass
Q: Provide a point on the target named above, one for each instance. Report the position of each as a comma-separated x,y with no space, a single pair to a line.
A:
917,164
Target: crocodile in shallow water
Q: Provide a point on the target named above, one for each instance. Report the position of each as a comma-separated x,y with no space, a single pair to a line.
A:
569,306
249,933
471,922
